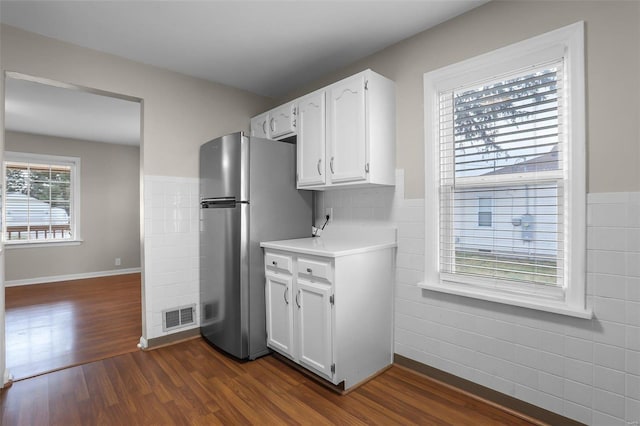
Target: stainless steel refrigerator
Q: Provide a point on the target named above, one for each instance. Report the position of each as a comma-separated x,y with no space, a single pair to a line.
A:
247,195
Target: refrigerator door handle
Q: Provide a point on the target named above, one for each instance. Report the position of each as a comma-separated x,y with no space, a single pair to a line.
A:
218,202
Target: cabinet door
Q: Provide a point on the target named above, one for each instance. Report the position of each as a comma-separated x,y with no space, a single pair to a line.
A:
282,121
346,126
315,342
311,140
279,313
259,126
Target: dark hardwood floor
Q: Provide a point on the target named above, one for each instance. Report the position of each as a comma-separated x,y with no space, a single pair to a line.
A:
56,325
94,326
190,383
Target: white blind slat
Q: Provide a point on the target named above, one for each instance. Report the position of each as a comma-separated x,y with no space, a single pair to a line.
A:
504,129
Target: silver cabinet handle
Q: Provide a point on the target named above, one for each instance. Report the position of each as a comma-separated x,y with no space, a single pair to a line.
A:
297,301
285,295
319,163
331,166
309,270
264,127
272,125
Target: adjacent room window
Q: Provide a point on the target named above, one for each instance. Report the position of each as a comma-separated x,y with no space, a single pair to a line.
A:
506,177
41,198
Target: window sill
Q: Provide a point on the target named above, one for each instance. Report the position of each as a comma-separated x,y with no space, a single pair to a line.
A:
555,307
11,246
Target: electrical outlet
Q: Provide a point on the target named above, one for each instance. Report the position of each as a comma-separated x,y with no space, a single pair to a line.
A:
329,212
118,261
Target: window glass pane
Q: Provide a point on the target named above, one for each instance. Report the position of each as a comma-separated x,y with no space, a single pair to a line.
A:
508,126
61,174
485,212
40,190
17,179
39,173
60,191
38,201
521,240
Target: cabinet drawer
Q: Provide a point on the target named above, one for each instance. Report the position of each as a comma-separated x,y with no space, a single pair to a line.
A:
314,268
278,262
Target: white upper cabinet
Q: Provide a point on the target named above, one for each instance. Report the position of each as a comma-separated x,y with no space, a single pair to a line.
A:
359,145
345,132
282,121
259,126
279,123
311,139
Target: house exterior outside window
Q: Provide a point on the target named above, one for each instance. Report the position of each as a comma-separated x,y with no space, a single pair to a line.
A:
41,199
505,175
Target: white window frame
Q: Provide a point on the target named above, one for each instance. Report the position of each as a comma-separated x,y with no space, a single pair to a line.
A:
566,43
25,157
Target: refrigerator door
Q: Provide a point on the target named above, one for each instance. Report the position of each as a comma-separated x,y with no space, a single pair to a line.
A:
224,167
246,197
223,243
224,277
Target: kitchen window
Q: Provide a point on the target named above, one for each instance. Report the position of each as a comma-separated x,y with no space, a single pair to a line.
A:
41,199
505,175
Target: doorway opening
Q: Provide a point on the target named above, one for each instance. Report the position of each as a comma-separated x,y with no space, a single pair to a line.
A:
71,215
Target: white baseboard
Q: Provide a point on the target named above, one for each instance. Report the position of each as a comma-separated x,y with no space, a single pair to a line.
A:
57,278
7,378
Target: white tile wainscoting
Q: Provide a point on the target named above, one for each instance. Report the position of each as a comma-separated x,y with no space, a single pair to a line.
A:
587,370
171,251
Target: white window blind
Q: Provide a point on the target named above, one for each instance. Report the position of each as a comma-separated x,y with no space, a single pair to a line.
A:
39,200
501,180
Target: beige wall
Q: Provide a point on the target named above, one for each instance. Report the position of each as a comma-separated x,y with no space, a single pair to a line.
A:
110,210
179,113
613,68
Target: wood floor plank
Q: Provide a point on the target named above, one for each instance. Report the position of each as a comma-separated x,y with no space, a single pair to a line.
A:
57,325
437,393
190,383
330,412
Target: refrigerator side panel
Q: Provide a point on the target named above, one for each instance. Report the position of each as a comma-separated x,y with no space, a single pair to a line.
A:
277,211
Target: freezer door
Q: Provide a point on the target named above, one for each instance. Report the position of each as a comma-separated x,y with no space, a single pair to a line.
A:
224,167
224,277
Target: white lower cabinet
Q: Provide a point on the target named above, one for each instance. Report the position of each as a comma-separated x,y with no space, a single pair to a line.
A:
280,313
331,315
315,343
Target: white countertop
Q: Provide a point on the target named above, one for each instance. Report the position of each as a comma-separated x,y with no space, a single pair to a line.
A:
341,241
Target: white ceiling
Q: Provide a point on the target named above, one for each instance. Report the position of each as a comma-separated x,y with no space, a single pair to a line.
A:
49,110
266,47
